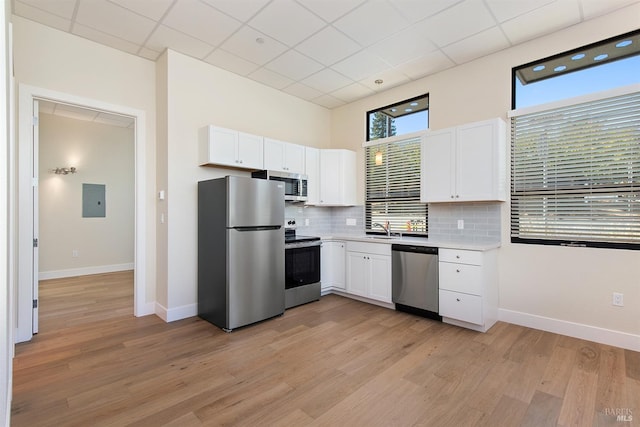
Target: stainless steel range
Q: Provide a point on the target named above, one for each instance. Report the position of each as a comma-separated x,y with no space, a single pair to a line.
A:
302,267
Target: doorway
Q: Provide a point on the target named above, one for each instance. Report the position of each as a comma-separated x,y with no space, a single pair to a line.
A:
80,150
27,164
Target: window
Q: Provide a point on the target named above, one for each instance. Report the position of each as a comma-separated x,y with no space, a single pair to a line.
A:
575,159
601,66
401,118
575,173
393,186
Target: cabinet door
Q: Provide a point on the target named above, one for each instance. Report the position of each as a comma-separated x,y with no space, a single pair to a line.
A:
357,273
294,158
330,179
250,151
312,170
438,167
332,261
274,155
476,162
380,284
218,146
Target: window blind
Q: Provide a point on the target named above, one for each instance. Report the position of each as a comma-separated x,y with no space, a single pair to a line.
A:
393,187
575,173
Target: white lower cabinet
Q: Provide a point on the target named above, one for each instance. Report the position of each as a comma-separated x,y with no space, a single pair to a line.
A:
369,270
332,266
468,288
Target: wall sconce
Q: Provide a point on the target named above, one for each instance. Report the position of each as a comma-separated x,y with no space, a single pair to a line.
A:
378,158
64,171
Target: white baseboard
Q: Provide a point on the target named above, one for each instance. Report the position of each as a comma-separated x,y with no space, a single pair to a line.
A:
576,330
178,313
99,269
146,309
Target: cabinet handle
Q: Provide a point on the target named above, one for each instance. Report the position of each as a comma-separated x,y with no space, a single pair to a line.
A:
458,299
452,196
457,270
457,196
240,161
457,256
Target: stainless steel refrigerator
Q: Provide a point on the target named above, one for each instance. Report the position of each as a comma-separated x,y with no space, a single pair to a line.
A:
240,250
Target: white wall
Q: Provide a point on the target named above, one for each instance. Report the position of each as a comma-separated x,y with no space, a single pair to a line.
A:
53,60
562,284
102,154
198,94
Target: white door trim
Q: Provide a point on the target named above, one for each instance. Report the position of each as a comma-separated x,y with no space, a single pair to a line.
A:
25,208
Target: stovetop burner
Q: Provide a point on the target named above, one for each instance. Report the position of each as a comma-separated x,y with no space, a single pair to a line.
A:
291,237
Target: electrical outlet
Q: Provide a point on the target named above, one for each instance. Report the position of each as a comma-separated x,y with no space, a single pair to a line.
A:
461,224
618,299
306,221
74,253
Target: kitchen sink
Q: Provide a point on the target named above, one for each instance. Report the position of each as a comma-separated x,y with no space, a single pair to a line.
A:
383,237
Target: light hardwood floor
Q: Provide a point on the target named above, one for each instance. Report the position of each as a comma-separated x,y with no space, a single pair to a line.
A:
336,362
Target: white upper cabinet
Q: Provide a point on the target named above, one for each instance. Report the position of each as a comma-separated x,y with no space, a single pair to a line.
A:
466,163
312,170
227,147
283,156
337,177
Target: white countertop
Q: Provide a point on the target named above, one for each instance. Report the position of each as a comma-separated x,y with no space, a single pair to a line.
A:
413,241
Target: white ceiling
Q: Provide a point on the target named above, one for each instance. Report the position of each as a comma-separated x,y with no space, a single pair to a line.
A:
329,52
86,114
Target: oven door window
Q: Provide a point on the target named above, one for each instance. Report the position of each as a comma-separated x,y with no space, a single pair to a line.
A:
302,266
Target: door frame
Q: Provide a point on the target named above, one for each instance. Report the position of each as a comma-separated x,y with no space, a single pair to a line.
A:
26,213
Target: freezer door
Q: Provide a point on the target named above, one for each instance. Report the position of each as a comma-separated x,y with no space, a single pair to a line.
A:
255,275
254,202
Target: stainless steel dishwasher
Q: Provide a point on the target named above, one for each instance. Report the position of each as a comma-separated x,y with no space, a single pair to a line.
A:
414,279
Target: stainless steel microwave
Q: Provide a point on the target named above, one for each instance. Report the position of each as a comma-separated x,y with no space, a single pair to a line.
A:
295,184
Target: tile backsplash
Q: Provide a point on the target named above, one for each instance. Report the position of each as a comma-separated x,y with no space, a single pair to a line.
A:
481,221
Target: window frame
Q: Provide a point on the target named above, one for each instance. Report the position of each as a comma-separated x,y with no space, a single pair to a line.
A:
396,104
570,102
392,140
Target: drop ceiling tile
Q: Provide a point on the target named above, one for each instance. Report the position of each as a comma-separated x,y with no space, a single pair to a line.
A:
113,120
112,19
328,101
270,78
164,37
541,21
230,62
361,65
327,80
458,22
242,10
105,39
405,45
61,8
593,8
154,9
294,65
481,44
417,10
39,15
504,10
390,78
243,44
46,107
287,22
328,46
201,21
428,64
302,91
371,22
74,112
352,92
330,10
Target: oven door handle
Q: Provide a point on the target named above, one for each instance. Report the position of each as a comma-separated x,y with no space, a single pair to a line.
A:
302,244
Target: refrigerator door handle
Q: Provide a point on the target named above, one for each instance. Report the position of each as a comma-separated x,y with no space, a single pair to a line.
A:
257,228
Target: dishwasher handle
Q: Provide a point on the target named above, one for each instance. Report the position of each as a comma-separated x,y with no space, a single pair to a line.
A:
415,249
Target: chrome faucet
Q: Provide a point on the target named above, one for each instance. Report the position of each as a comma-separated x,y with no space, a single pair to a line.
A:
386,229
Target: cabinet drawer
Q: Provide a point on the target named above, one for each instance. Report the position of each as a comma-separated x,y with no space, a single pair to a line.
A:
369,248
460,255
460,277
455,305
